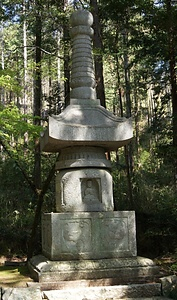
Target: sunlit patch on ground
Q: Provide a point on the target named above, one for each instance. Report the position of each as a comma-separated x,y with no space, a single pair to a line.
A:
13,276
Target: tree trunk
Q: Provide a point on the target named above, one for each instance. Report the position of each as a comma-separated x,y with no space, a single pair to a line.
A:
128,148
2,60
119,87
137,117
127,74
98,58
58,106
172,63
25,59
37,121
120,98
40,200
66,37
37,97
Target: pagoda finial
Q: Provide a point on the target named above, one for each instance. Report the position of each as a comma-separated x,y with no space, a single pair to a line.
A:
82,72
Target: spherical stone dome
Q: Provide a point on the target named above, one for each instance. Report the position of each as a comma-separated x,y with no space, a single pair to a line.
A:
81,17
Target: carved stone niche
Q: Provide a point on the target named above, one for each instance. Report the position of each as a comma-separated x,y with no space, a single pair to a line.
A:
84,182
84,190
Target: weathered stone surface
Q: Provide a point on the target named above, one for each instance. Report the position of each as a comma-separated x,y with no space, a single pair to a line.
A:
82,157
44,270
84,190
31,293
84,122
82,283
86,126
84,182
169,286
91,187
102,293
88,235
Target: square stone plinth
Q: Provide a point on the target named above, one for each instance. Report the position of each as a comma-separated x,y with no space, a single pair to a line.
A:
119,270
88,235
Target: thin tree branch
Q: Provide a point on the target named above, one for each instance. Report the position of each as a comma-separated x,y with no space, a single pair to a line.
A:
31,184
43,50
40,201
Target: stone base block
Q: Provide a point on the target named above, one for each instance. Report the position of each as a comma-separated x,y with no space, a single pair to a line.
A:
131,292
30,293
44,270
88,235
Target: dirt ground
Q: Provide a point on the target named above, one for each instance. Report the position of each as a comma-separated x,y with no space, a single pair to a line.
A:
13,272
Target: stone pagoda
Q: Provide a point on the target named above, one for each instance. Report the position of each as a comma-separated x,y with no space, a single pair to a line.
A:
85,238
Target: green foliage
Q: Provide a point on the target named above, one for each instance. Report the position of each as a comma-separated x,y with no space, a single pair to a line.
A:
17,199
18,204
154,199
9,82
14,123
16,208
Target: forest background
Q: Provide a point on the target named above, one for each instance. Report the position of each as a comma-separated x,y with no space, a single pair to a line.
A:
135,51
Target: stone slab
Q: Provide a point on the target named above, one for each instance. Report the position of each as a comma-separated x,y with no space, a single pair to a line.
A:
30,293
44,270
102,293
89,235
135,298
72,284
169,286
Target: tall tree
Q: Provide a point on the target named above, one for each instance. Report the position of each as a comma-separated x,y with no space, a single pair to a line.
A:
98,57
172,47
37,92
66,61
25,95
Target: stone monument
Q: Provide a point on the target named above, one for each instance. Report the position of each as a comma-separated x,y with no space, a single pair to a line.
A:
85,238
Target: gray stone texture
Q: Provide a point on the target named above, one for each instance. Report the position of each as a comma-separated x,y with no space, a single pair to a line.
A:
82,157
103,293
89,235
31,293
97,127
169,286
44,270
83,180
84,190
85,122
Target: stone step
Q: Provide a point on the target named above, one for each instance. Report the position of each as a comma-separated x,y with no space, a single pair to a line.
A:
82,283
147,290
151,298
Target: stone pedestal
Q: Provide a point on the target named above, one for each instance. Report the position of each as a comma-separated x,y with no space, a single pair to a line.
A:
89,235
119,270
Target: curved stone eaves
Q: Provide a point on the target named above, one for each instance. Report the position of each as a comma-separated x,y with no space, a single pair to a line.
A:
81,125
